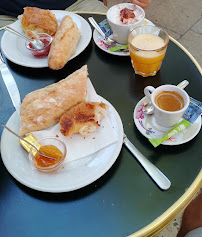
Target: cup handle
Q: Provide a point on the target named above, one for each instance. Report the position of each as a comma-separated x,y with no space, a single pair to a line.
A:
148,91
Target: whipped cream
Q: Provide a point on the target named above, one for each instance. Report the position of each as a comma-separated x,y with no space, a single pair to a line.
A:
114,14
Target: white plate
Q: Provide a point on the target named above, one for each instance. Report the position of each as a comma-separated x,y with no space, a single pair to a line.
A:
14,47
98,39
72,175
147,125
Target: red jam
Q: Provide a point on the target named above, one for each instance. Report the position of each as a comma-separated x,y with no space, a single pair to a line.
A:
41,52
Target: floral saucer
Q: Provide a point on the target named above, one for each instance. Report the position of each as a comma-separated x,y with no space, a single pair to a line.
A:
98,39
149,128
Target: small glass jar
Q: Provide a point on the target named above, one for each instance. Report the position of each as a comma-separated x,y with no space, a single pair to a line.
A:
46,39
47,164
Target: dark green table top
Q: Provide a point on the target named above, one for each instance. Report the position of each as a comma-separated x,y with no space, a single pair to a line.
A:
125,199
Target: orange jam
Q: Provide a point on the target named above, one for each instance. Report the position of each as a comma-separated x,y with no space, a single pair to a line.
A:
50,151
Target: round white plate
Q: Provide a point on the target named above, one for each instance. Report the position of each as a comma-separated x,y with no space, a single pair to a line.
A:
147,125
98,39
72,175
14,47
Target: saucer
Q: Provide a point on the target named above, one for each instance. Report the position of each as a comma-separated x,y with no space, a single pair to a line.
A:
149,128
98,39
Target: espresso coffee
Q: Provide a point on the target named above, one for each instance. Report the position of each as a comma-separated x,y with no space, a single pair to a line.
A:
169,101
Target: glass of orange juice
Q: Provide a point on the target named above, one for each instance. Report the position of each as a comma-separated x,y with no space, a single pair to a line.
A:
147,45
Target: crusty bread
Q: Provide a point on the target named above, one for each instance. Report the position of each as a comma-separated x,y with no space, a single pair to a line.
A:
83,118
64,43
44,107
39,20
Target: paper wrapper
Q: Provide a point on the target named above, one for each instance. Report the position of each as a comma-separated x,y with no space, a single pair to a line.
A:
177,128
77,145
193,111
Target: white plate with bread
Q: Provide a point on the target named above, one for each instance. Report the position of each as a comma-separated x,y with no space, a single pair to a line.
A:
72,175
14,48
70,110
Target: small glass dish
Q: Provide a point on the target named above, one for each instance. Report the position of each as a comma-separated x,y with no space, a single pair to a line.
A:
47,164
46,39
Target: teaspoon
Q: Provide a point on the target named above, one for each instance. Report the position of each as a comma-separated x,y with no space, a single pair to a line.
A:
149,109
42,154
106,39
37,44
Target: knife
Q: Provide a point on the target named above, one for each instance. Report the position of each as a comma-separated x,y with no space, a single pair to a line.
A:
10,84
159,178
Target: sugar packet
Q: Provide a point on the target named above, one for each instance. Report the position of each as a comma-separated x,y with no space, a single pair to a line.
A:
193,111
105,27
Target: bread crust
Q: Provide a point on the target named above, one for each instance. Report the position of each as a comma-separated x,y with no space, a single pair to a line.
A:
39,20
44,107
83,118
64,43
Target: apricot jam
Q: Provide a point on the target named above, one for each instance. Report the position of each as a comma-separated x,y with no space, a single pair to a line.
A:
50,151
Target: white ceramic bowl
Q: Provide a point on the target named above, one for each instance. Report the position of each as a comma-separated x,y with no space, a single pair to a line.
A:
121,30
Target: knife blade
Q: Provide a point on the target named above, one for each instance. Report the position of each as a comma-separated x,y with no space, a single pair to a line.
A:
159,178
10,84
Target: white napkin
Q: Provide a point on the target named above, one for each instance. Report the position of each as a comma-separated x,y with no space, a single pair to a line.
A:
77,145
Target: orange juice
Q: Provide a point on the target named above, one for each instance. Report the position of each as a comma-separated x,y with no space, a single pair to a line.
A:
147,52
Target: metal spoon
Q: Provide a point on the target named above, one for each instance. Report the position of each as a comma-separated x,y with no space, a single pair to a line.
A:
37,44
149,109
27,142
106,39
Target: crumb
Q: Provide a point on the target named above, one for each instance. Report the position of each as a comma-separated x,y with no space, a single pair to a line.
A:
70,137
93,138
57,136
84,137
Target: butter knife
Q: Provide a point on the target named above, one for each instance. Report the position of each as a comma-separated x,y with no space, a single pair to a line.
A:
159,178
10,84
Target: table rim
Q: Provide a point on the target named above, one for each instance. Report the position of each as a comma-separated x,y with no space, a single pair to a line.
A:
172,212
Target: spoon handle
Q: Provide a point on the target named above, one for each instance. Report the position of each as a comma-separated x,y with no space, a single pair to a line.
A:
159,178
18,136
37,44
26,141
8,28
96,26
183,84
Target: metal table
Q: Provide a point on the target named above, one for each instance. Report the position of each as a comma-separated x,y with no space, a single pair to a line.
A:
124,201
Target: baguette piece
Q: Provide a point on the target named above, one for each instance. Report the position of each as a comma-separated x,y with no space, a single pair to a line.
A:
39,21
64,43
83,118
44,107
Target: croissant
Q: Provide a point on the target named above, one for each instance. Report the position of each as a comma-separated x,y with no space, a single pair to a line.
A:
83,118
44,107
39,20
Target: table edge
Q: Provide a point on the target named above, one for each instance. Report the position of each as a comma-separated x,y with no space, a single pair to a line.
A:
171,213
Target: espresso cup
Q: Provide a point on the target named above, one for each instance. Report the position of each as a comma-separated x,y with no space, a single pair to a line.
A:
169,102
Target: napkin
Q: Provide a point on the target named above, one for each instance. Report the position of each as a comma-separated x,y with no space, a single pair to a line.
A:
79,146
